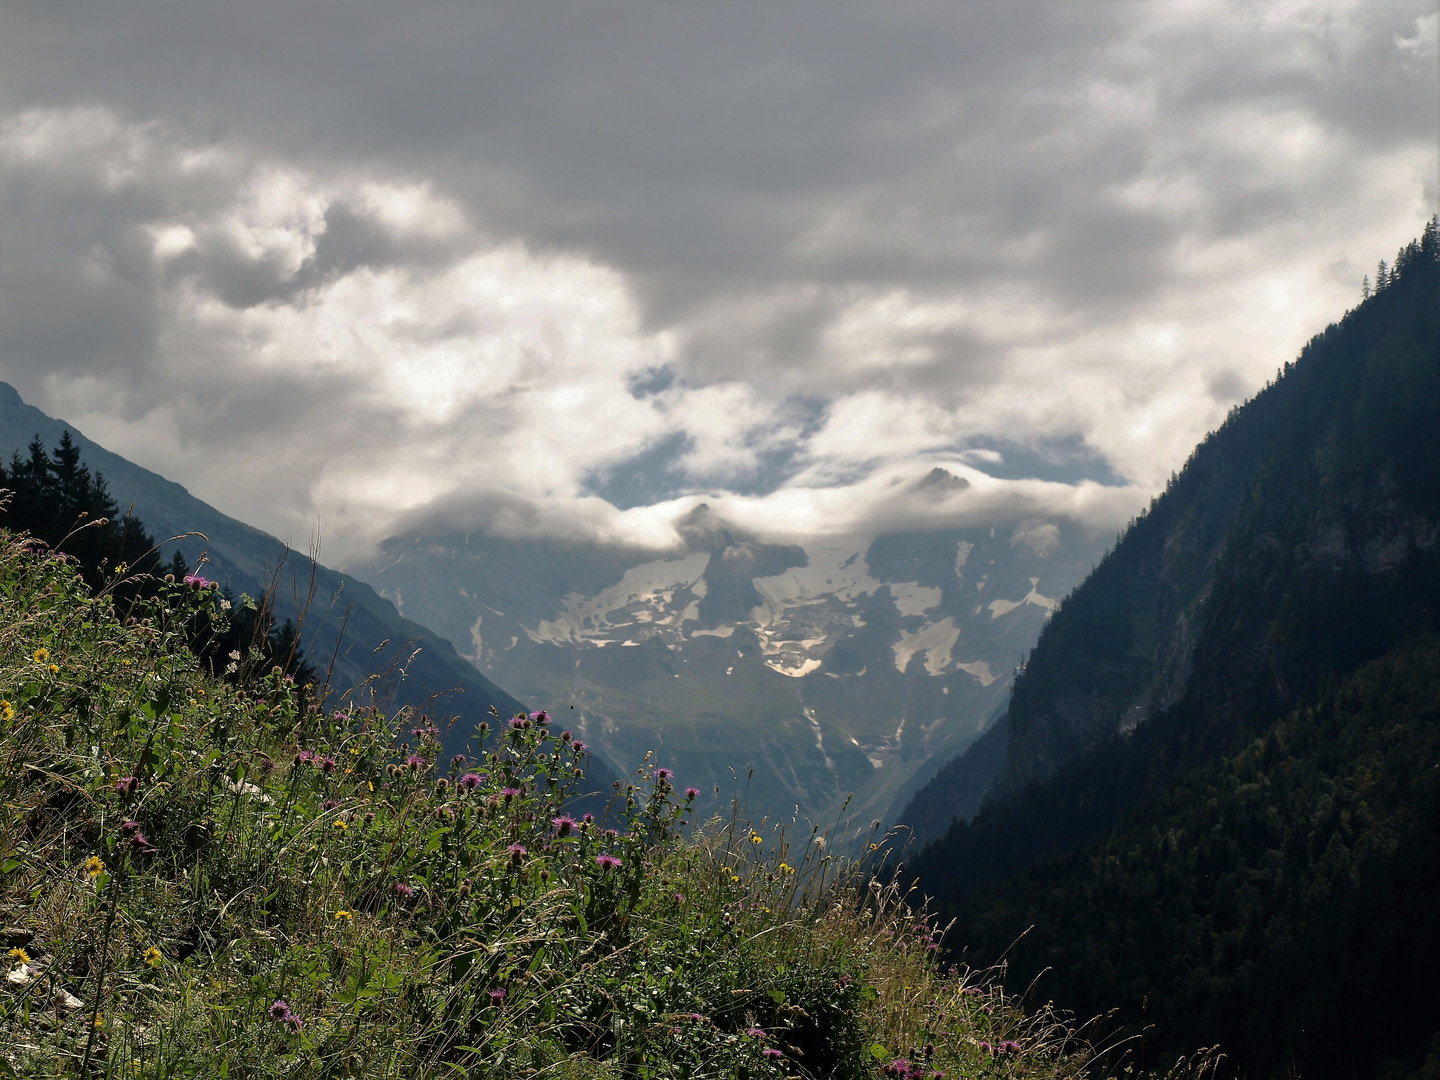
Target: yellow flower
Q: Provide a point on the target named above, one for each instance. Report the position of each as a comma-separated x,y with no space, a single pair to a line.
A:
41,655
7,711
154,957
342,915
126,662
340,825
19,956
94,867
54,668
786,868
99,1021
754,838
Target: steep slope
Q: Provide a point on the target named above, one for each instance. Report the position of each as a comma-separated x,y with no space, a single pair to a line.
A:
345,621
787,675
1301,542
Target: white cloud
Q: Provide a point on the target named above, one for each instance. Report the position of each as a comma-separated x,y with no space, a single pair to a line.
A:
1090,227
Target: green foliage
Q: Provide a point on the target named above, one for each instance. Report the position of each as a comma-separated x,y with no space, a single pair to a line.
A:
208,880
1279,901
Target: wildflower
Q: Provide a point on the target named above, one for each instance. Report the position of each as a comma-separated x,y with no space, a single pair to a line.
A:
470,781
607,862
1009,1046
563,824
757,1033
19,956
663,775
588,819
517,853
542,717
195,581
127,785
53,668
755,838
7,711
696,1018
279,1009
94,867
329,804
565,736
153,957
328,764
99,1021
519,723
771,1052
41,655
343,915
692,793
509,793
497,995
401,889
340,824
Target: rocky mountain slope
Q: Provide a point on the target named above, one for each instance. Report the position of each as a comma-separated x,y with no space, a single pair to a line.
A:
788,675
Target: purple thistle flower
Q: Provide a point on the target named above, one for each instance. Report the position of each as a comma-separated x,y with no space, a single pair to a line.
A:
280,1009
580,747
127,785
414,762
196,581
607,862
563,824
517,853
131,826
295,1022
497,995
663,775
509,793
542,717
697,1018
771,1052
403,890
757,1033
328,764
565,736
329,804
470,781
457,761
692,793
519,723
588,819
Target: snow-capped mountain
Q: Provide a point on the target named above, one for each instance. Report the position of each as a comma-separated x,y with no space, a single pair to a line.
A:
790,675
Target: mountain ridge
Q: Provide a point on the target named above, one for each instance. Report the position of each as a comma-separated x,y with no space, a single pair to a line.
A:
347,621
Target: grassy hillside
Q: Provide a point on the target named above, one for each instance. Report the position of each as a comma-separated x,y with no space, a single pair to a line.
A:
201,881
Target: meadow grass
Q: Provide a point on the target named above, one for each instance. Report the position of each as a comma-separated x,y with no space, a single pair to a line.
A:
204,879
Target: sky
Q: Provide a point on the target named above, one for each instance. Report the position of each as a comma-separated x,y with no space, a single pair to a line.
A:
345,267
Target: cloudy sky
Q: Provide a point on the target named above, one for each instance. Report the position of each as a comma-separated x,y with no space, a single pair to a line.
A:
338,264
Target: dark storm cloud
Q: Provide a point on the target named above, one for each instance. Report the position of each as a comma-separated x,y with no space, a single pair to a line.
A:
1031,228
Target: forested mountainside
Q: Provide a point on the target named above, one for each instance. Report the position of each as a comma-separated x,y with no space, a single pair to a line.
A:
1298,545
345,623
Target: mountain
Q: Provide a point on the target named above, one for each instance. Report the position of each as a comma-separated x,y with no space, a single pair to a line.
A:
789,675
1217,810
345,621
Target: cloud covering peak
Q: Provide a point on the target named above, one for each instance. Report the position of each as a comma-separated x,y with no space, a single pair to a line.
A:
347,268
